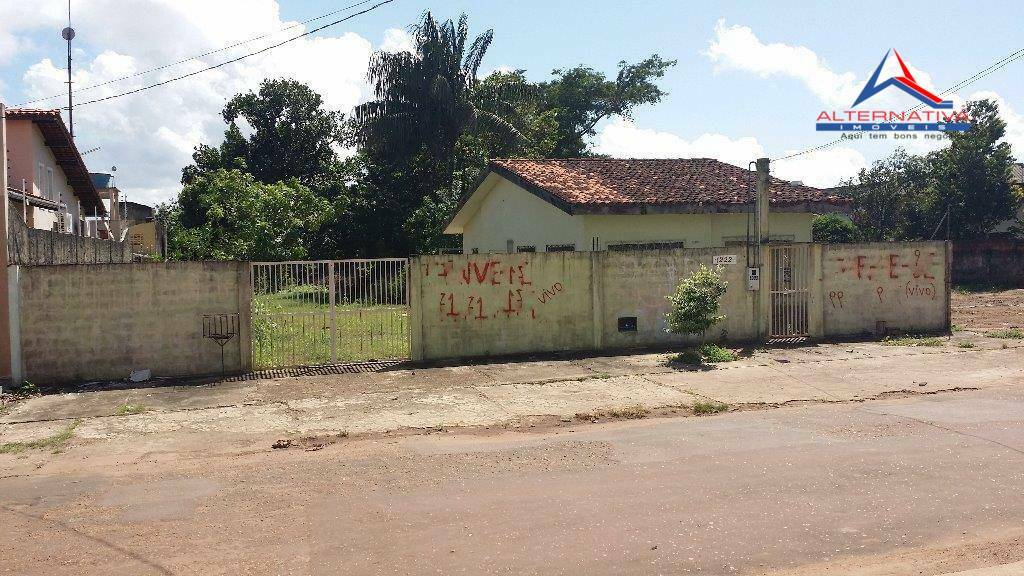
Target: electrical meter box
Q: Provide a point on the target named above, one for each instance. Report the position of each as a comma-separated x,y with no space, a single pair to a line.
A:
753,278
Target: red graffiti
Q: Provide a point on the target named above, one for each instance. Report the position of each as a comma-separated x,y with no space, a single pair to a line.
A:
836,297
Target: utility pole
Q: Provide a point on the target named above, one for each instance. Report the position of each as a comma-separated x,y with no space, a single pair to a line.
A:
763,235
69,35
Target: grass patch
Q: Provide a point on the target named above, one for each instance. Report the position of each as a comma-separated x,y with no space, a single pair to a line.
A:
929,341
294,327
712,407
55,442
130,409
715,353
1007,333
712,353
628,412
966,345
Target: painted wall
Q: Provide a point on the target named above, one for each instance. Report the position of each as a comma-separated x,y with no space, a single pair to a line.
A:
28,150
510,213
481,305
904,285
68,333
486,305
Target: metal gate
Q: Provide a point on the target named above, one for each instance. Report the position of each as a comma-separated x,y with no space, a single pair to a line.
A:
790,290
329,312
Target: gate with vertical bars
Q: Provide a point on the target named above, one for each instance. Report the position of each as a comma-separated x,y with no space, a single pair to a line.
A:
790,290
329,312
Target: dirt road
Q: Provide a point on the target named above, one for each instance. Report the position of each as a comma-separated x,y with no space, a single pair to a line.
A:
988,310
924,485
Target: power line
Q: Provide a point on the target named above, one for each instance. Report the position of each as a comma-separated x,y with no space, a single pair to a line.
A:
233,60
198,56
965,82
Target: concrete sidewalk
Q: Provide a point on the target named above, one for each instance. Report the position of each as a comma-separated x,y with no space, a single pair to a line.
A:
514,394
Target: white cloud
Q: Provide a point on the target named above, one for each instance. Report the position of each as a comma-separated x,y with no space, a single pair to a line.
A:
823,168
397,40
150,136
622,139
738,48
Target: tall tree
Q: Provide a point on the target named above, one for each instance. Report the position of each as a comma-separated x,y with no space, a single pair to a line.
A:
581,97
292,135
971,178
425,102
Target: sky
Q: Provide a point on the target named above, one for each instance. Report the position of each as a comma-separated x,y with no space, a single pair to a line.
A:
750,81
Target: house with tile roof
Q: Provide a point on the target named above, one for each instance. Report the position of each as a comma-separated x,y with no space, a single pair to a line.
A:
48,184
585,204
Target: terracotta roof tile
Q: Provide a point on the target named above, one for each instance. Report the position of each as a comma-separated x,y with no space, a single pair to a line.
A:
614,181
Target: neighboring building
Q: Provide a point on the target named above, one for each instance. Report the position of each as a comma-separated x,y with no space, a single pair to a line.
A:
127,221
48,183
618,204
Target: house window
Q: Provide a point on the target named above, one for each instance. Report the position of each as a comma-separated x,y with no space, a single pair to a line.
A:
38,184
628,246
560,248
526,248
49,183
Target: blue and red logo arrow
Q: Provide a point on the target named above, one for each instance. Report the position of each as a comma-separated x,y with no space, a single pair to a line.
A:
905,82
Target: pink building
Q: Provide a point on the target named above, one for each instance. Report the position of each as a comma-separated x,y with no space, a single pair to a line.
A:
47,181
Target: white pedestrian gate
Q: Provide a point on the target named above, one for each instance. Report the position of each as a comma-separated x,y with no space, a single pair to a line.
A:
790,290
329,312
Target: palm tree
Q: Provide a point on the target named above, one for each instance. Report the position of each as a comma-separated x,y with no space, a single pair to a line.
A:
427,99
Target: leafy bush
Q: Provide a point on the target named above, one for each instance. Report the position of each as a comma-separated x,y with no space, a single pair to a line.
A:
695,304
834,229
688,356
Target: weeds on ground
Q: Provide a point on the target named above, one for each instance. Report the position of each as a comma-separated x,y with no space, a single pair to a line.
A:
55,442
629,412
715,353
1007,333
712,407
912,341
24,390
966,345
706,353
130,409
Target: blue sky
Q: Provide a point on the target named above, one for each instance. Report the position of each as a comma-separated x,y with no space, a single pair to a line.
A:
750,81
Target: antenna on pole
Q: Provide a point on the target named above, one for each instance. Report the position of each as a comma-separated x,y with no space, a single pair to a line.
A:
69,35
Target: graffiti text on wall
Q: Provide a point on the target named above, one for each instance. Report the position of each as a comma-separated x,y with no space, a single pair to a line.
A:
482,297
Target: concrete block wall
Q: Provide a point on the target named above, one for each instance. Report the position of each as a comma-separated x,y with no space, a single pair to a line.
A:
904,285
996,261
493,304
91,322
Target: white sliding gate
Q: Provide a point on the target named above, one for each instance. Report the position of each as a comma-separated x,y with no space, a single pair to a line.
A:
329,312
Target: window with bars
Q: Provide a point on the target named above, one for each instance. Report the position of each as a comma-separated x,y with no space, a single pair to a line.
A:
630,246
560,248
526,248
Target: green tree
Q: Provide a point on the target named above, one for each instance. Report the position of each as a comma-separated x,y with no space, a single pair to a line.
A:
581,97
889,198
229,215
695,304
834,229
971,177
292,135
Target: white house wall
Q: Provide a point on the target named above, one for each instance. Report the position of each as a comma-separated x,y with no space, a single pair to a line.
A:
511,213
